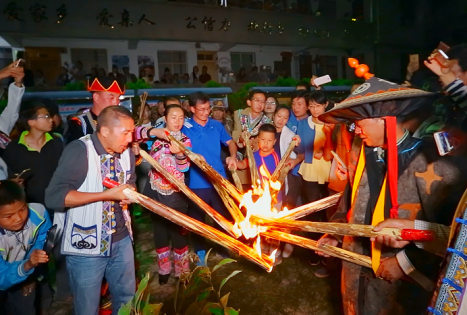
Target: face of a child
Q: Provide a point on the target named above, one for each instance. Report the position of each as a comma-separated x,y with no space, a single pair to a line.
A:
13,217
281,118
266,141
175,119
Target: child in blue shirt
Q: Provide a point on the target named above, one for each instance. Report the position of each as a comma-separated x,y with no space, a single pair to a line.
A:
23,231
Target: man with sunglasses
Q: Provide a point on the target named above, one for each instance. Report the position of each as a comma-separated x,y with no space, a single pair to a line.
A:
206,135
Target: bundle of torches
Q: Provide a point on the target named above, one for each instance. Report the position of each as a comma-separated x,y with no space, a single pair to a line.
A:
255,217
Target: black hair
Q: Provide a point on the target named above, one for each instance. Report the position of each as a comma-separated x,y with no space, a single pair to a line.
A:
110,115
279,107
459,52
10,192
197,97
169,107
267,128
275,99
318,97
301,94
170,99
253,92
28,114
304,84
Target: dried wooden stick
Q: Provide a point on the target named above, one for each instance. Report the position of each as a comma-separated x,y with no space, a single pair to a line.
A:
229,203
311,207
237,181
212,173
284,159
223,222
141,107
251,160
352,257
200,228
344,229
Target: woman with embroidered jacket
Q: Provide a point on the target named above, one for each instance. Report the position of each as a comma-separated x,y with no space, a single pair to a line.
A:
161,190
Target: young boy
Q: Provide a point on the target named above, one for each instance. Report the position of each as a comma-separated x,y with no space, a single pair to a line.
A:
23,230
266,155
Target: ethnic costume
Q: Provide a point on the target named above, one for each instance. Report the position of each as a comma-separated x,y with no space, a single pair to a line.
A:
401,182
97,237
85,124
161,190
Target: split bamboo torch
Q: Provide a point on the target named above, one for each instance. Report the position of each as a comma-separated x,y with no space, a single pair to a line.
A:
224,223
344,229
212,173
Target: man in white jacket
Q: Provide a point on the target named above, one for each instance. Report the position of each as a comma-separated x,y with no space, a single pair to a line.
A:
10,114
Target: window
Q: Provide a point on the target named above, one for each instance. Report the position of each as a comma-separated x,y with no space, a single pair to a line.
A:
326,65
90,58
172,59
242,60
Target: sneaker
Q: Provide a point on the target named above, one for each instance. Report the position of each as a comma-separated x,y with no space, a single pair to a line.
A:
322,272
201,255
288,250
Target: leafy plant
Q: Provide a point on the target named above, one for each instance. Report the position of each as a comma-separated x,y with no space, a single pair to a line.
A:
77,86
139,305
196,284
200,281
139,84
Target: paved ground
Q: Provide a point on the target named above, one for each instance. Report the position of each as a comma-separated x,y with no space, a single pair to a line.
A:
290,289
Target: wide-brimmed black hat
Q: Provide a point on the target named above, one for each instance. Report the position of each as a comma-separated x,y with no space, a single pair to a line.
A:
377,98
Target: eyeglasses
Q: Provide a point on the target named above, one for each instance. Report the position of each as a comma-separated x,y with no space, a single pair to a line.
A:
315,106
45,116
259,101
270,103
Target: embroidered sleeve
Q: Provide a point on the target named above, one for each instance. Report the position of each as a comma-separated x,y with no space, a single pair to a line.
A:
183,163
142,134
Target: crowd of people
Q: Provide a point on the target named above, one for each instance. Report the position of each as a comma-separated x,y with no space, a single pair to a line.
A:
378,151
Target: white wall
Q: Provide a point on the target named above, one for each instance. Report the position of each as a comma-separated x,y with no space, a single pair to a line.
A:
265,55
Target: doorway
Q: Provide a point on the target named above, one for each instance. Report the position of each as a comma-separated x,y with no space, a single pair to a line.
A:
206,58
45,59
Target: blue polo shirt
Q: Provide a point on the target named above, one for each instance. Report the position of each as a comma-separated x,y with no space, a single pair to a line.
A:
301,128
206,141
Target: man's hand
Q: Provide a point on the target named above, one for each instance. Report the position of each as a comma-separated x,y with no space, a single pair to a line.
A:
117,194
297,140
292,162
413,67
159,133
326,239
135,148
390,270
231,162
11,71
28,288
444,73
392,223
37,257
312,83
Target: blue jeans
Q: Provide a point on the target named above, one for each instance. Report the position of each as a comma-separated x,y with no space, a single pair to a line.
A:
86,274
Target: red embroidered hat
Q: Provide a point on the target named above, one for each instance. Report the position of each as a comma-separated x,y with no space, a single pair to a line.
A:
106,84
377,98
